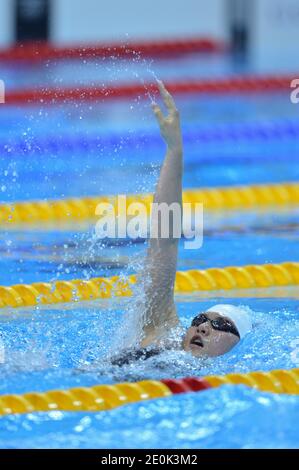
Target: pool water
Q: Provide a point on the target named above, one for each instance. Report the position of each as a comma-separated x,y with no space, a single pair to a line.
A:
269,236
71,344
57,347
62,348
208,420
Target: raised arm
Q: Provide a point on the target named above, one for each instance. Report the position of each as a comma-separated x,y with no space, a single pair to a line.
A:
160,267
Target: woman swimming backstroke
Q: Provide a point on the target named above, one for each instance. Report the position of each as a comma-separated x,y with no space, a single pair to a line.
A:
211,333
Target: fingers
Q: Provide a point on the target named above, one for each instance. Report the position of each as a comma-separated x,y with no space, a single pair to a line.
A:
158,113
167,98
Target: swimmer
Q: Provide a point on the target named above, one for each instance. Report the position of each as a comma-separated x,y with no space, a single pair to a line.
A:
211,333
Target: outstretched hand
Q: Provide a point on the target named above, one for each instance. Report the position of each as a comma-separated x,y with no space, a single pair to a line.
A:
169,125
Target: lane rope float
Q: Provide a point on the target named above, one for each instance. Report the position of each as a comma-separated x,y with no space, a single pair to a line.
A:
255,84
35,52
219,198
107,397
77,290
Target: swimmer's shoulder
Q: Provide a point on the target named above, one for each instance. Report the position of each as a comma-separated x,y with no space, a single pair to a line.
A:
171,341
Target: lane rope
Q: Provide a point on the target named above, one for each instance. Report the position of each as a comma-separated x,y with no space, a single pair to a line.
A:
254,84
248,132
211,279
35,52
107,397
219,198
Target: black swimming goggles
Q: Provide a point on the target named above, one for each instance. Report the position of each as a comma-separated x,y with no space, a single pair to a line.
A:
220,324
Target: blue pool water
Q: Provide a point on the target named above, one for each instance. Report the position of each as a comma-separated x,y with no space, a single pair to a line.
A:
28,151
68,254
208,420
59,348
65,346
44,351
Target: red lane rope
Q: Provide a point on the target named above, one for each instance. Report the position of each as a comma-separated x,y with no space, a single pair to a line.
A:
232,85
44,51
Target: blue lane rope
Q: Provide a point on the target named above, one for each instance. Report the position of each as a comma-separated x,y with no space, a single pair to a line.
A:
234,133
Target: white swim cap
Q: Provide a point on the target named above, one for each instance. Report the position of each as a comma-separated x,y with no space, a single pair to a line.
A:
239,315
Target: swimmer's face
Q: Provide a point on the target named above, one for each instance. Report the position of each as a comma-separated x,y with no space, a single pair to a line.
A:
204,340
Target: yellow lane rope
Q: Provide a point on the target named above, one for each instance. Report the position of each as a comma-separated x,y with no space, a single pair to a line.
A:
106,397
231,277
222,198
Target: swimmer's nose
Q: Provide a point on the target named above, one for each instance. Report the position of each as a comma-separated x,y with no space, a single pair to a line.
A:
204,329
